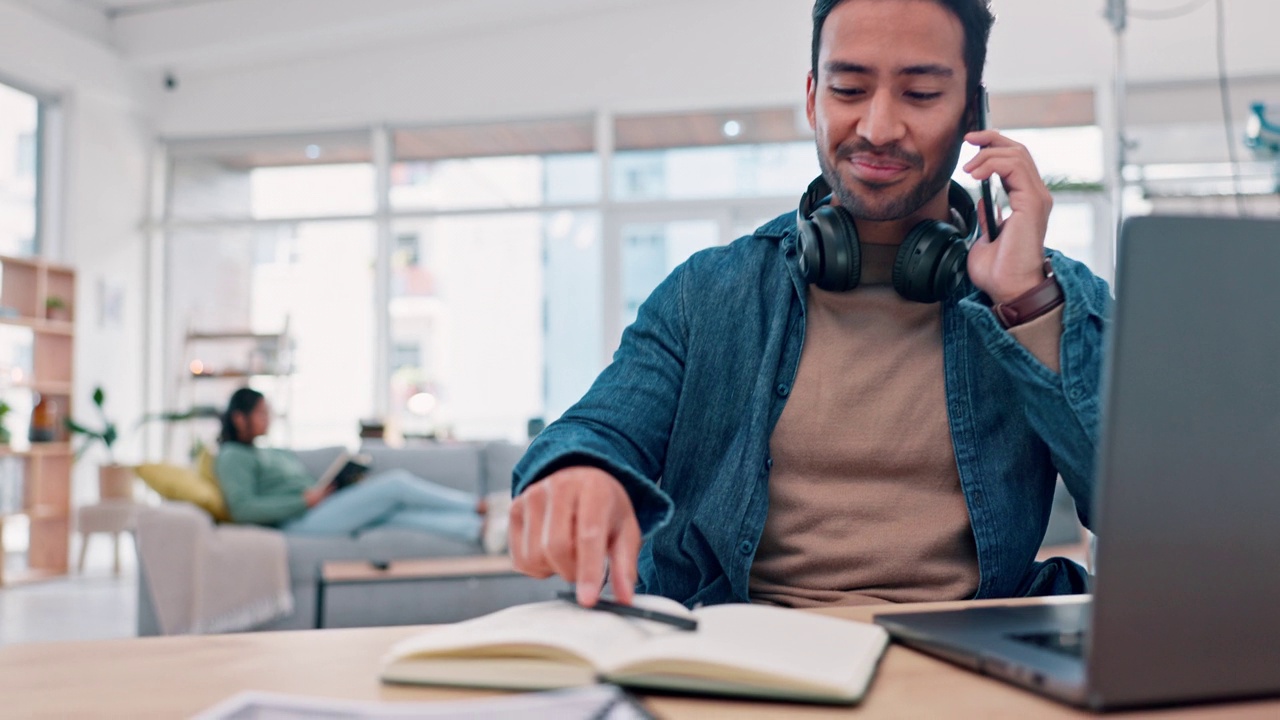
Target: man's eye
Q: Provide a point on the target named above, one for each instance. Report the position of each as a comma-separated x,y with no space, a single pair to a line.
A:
923,96
847,92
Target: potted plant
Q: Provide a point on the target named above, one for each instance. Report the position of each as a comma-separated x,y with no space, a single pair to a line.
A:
55,308
114,481
5,436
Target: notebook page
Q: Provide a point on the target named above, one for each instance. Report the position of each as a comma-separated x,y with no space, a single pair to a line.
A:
568,629
776,642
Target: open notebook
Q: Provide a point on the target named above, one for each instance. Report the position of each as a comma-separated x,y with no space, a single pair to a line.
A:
740,650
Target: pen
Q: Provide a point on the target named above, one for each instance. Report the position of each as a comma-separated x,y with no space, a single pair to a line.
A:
675,621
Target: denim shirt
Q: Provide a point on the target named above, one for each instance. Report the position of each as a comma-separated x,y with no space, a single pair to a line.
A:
683,415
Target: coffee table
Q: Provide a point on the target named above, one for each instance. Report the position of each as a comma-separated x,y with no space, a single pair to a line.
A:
472,570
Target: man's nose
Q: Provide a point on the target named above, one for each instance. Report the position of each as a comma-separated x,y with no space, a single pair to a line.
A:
881,125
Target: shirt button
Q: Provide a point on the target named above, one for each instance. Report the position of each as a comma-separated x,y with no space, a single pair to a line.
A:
745,548
783,390
1076,393
977,499
768,463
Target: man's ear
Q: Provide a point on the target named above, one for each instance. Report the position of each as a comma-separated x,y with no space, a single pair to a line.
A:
973,113
975,117
810,99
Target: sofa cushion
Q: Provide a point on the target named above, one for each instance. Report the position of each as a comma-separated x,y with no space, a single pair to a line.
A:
306,552
185,484
500,458
455,465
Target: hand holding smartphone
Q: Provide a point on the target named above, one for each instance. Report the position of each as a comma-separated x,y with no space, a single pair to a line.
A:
988,203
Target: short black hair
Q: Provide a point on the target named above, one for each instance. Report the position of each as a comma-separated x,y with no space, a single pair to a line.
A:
974,15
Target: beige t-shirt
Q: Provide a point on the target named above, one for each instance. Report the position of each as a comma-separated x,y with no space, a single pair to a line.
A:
865,503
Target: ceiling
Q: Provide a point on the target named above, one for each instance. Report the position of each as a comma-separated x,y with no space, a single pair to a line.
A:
117,8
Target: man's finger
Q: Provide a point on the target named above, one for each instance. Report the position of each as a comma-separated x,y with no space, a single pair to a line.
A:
623,552
592,537
531,534
558,529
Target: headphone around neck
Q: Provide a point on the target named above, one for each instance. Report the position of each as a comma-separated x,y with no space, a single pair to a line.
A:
931,260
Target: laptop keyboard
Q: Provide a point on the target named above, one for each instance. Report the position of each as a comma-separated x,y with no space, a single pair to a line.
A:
1068,643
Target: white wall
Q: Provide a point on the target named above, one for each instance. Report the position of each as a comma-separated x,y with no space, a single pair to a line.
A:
654,56
103,172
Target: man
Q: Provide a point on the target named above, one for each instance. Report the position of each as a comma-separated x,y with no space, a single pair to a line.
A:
777,442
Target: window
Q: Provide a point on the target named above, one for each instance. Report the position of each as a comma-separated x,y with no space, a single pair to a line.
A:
241,269
19,172
727,171
509,274
505,316
310,282
318,175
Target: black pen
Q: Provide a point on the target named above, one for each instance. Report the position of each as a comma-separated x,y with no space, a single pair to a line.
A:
675,621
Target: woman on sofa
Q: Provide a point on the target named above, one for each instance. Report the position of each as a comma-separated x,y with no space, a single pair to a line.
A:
264,486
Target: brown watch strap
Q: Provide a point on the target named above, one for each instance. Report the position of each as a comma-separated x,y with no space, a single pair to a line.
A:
1033,303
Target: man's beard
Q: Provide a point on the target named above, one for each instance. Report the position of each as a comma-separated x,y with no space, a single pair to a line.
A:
871,206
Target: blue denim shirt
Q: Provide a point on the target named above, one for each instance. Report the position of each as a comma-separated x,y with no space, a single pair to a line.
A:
683,415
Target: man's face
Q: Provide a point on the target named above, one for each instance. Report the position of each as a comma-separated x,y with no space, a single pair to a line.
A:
888,104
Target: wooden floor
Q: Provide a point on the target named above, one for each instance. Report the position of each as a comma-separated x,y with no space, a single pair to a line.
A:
93,606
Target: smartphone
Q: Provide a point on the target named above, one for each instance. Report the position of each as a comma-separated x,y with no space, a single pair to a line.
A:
988,202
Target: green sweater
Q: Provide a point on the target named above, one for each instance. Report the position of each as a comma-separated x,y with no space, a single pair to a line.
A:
262,486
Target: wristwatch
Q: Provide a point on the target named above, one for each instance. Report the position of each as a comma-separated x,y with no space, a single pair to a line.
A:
1033,303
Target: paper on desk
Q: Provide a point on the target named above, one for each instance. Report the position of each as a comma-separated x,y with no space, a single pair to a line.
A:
603,702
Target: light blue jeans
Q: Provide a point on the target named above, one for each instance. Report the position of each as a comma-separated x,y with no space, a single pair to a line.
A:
393,498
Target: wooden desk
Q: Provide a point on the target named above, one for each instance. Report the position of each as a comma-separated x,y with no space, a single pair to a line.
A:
172,677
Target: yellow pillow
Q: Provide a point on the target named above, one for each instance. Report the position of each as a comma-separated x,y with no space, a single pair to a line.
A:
177,482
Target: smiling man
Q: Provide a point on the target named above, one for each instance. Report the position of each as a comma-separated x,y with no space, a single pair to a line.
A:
865,401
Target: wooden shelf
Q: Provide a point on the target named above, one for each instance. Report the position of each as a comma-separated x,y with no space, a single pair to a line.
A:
233,335
46,387
33,263
56,327
43,449
38,513
27,284
52,327
237,374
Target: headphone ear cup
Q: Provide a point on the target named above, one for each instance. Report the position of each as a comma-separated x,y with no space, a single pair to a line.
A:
952,268
810,246
841,256
916,269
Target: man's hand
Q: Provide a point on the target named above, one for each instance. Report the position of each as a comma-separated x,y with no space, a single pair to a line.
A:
568,523
1014,263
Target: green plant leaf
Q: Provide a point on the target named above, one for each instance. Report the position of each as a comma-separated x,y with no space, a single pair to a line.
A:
99,397
76,427
195,413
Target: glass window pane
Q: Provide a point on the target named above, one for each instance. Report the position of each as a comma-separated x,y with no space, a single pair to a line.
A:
495,320
495,182
316,191
1062,154
19,174
314,280
651,250
1072,227
319,175
729,171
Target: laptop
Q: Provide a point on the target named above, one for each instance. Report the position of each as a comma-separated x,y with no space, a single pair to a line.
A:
1186,601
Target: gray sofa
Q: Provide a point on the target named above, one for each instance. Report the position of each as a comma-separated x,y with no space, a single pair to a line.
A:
478,468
